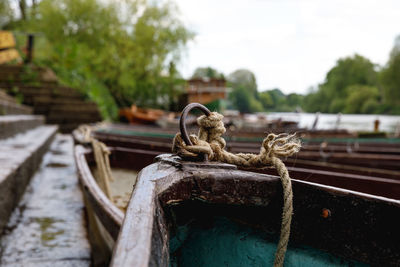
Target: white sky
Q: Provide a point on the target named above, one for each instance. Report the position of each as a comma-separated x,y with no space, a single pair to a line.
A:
288,44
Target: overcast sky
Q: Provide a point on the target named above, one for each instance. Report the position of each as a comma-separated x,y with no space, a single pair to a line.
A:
288,44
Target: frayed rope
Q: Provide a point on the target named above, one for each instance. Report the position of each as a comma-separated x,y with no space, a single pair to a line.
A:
209,142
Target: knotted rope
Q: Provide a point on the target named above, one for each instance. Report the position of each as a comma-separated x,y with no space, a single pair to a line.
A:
101,156
210,143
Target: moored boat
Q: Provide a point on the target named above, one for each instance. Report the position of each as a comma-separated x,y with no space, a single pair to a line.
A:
366,167
105,214
183,204
135,115
211,214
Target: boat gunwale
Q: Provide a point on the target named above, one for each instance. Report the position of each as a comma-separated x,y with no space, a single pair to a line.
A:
108,214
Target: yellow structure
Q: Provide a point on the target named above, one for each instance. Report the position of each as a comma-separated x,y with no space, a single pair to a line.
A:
7,47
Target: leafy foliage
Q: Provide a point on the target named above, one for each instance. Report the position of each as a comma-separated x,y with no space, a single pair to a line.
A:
118,53
355,85
244,96
276,100
6,14
245,79
390,77
207,72
241,100
361,99
331,95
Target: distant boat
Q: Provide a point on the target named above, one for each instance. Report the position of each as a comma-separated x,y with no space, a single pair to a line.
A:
135,115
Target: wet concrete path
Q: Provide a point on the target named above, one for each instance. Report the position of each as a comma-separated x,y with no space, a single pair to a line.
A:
48,227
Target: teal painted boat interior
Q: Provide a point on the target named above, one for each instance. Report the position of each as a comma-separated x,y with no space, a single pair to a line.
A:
228,243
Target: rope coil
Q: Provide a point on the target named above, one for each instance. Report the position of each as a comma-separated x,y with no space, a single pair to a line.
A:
210,144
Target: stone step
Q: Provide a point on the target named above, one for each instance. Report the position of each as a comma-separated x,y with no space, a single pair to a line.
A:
9,106
68,127
82,107
10,73
62,101
48,226
77,106
4,96
31,91
13,124
77,116
26,74
11,69
39,89
20,156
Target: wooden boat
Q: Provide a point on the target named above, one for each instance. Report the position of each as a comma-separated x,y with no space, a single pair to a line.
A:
149,132
135,115
233,132
105,216
365,171
328,144
175,201
369,173
212,214
233,193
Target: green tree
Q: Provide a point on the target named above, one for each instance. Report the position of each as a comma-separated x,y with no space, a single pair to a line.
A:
6,14
278,97
243,101
117,52
266,100
332,94
244,96
390,78
207,72
244,78
294,100
361,99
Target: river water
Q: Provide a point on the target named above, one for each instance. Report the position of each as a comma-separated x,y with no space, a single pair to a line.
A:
352,122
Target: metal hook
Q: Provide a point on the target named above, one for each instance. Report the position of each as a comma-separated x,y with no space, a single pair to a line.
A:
184,114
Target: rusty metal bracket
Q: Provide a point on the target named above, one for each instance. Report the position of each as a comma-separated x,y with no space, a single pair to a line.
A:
184,114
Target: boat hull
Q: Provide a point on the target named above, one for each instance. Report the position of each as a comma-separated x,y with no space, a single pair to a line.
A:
372,173
355,227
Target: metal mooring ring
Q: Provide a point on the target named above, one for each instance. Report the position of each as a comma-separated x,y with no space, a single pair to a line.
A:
184,114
